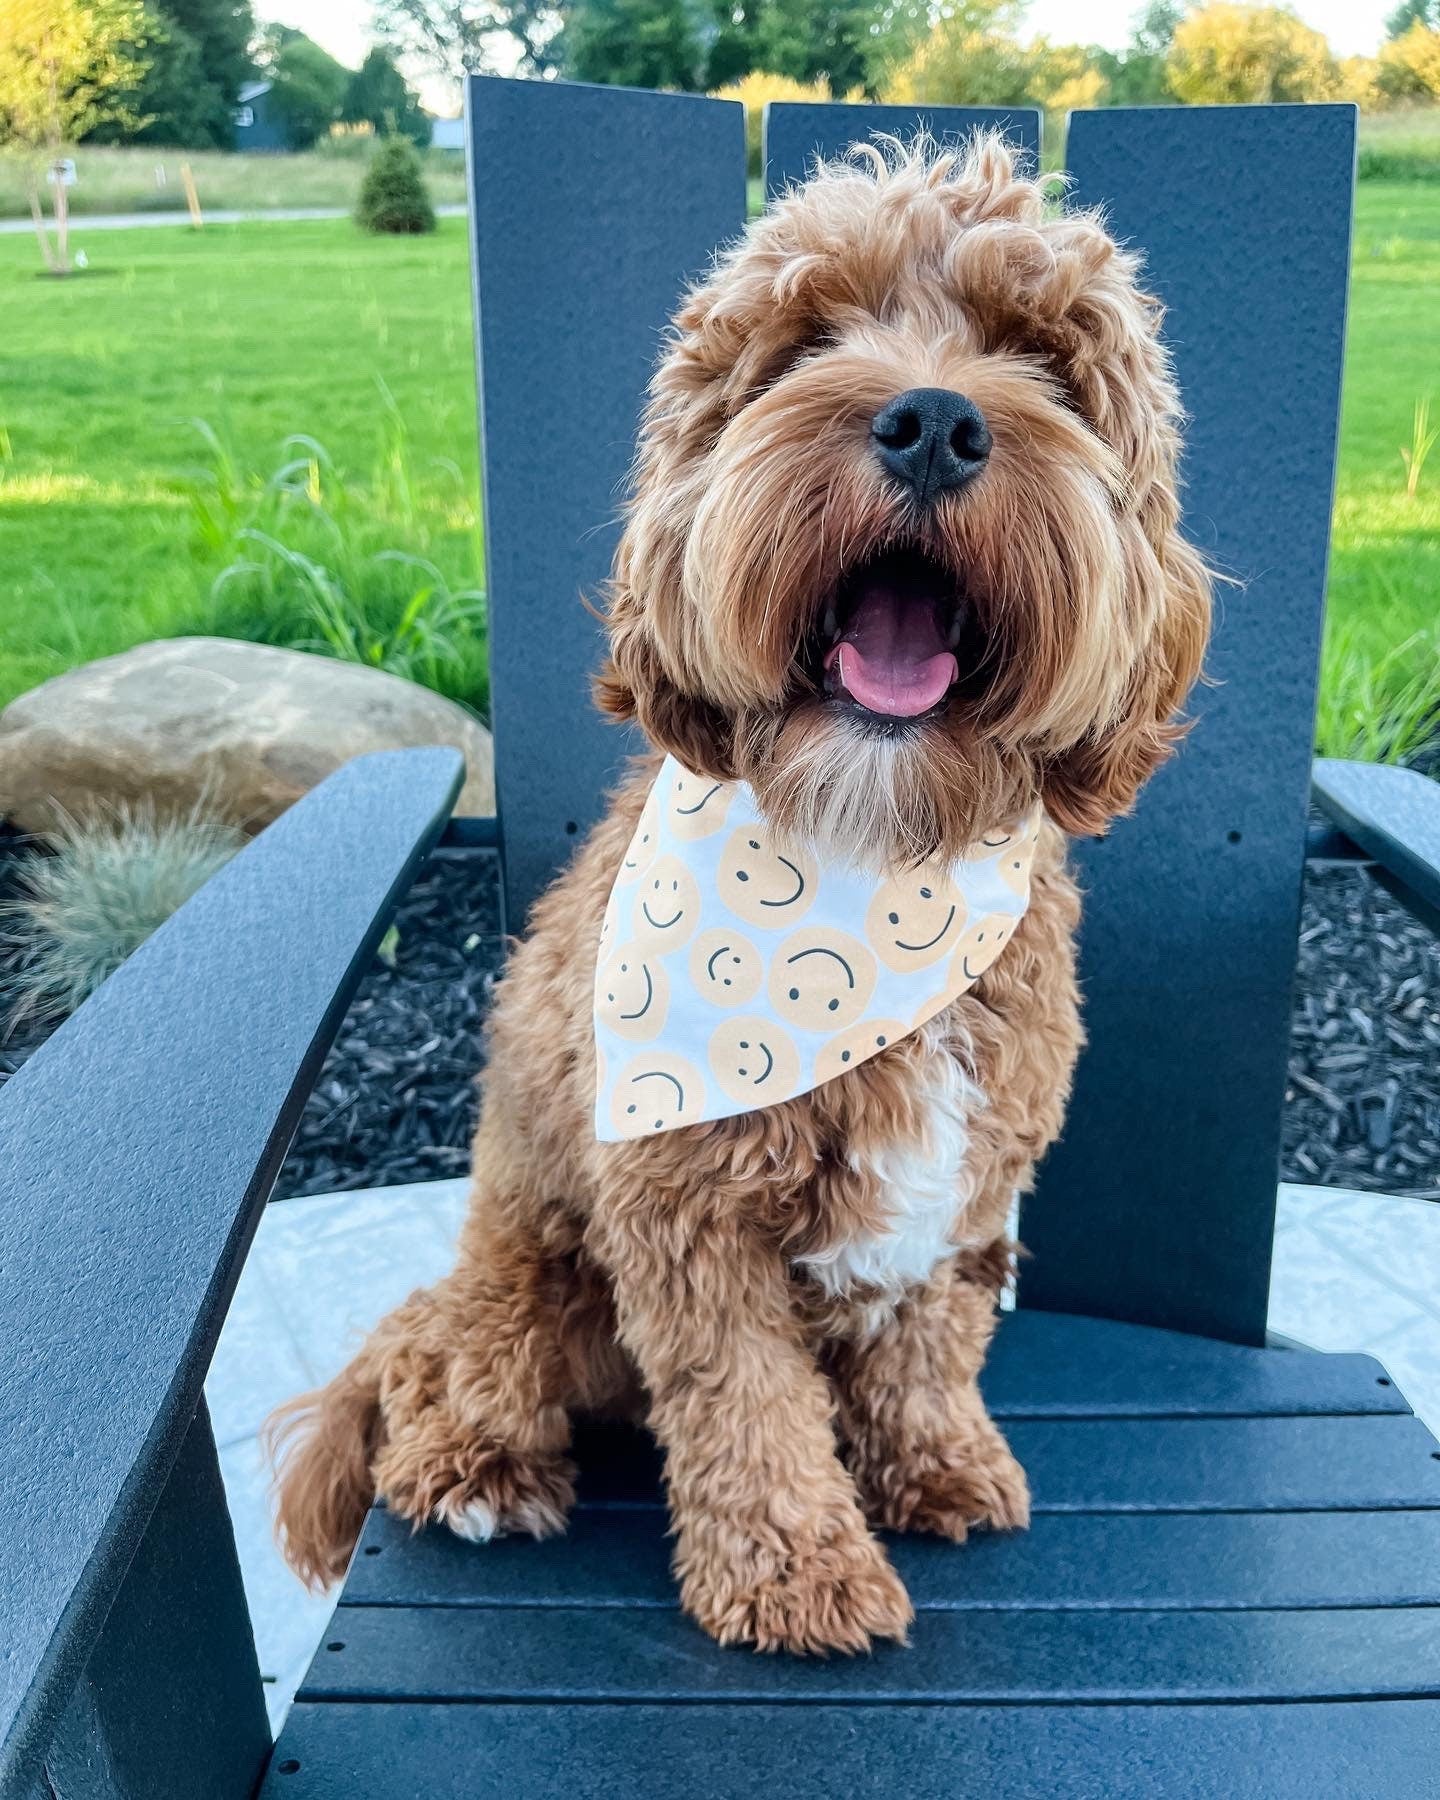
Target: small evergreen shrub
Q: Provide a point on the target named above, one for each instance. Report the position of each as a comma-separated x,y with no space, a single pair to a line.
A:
392,195
93,893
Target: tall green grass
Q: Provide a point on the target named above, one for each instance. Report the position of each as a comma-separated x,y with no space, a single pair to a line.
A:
311,560
1400,146
1379,705
130,178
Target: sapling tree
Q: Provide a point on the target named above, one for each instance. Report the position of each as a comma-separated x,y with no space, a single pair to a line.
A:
66,67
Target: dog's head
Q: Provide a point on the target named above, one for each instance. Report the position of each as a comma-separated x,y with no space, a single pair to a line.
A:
902,550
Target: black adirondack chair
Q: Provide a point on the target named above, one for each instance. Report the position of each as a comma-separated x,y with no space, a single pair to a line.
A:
1232,1583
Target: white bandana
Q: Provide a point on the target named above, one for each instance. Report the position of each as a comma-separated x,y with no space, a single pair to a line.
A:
737,969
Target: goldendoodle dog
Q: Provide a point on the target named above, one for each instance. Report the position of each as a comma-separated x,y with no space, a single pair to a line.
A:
900,602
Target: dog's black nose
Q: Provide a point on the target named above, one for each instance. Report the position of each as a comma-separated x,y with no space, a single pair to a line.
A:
932,440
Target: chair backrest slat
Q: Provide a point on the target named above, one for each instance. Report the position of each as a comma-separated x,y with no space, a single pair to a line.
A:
796,132
590,209
1158,1205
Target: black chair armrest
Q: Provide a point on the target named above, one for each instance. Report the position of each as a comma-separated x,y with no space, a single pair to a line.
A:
1393,814
137,1148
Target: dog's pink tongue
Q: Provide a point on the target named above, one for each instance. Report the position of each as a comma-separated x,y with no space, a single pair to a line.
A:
892,657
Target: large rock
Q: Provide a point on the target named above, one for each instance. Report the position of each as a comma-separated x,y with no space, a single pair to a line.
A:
243,726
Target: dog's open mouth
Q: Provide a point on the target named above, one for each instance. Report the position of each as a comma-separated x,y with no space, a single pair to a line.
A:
890,633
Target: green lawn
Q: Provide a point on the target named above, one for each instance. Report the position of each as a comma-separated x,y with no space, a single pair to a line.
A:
268,330
1384,610
261,331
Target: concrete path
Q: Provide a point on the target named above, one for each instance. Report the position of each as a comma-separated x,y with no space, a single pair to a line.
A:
1352,1272
83,222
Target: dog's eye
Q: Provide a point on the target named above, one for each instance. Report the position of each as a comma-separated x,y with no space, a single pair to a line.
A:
763,375
814,341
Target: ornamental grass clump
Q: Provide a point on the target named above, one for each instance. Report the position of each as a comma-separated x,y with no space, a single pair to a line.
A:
392,195
91,893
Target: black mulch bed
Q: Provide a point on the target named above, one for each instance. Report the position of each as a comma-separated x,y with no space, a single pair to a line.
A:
396,1101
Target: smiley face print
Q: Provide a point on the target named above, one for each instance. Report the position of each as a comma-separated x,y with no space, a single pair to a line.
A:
725,968
738,970
978,949
667,906
640,851
1014,849
754,1061
1017,859
855,1046
696,806
632,994
764,882
915,919
656,1092
821,980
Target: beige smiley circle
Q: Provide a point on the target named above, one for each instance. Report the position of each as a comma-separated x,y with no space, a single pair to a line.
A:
632,994
725,968
989,842
654,1092
697,806
855,1046
667,906
765,883
821,980
915,919
640,851
1014,867
1013,847
979,947
754,1061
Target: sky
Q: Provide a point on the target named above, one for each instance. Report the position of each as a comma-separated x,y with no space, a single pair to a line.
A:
1354,27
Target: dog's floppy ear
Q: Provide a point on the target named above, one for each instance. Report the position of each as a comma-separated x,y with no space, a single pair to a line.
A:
1096,781
633,683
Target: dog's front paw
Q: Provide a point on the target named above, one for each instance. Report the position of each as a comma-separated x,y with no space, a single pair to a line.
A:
829,1596
479,1489
948,1488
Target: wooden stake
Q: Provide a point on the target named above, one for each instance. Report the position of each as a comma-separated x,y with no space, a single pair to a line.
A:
192,199
62,225
37,213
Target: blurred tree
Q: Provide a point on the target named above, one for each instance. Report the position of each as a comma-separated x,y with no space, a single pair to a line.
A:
199,60
222,32
392,195
66,67
379,95
1359,81
1413,12
1408,67
1227,54
973,57
635,43
733,33
820,40
1135,76
173,96
308,86
451,36
709,44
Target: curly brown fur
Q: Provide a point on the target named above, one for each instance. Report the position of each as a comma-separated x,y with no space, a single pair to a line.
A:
684,1272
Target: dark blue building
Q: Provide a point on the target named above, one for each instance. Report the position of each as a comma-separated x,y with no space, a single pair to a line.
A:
258,124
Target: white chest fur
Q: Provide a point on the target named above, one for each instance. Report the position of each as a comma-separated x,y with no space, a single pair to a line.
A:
922,1179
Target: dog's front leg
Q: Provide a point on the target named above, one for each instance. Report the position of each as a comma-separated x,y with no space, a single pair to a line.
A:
925,1453
773,1548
